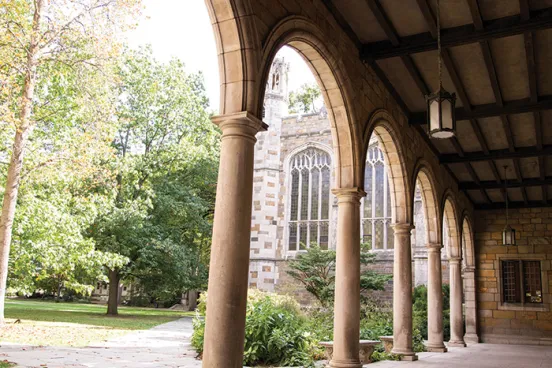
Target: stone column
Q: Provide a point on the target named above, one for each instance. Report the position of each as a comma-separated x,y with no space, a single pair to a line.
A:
347,280
225,328
471,306
456,322
402,293
435,300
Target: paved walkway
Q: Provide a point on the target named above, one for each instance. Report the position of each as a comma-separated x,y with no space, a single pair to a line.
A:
480,356
166,345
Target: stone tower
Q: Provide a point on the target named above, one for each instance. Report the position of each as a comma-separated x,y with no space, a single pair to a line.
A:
266,224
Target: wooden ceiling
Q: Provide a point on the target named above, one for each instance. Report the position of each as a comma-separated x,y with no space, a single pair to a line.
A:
497,57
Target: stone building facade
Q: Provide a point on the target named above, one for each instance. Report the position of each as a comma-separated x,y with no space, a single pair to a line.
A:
290,138
514,283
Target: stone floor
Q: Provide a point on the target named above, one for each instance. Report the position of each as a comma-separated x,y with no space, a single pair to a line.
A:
480,356
166,345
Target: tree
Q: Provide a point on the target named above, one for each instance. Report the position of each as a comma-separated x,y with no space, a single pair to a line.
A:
304,100
165,174
315,269
45,41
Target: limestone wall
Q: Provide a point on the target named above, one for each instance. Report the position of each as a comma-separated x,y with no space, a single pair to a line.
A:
513,323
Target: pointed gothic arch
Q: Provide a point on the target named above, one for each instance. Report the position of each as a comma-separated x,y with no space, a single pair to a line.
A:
381,124
305,38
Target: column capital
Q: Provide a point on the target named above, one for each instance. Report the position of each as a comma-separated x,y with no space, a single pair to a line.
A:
402,228
348,194
455,260
239,124
434,247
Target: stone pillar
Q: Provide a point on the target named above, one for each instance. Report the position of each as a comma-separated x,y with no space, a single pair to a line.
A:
435,300
471,306
347,280
225,328
402,293
456,322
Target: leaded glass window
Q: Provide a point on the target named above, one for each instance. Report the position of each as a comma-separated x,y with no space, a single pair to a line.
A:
521,282
309,199
376,206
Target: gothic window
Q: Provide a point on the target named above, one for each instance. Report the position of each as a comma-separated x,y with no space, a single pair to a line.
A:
376,206
309,199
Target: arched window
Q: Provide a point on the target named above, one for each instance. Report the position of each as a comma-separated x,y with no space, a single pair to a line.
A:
309,207
376,206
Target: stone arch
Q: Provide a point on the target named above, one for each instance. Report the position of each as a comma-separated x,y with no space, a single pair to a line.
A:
424,176
237,44
468,241
450,212
381,123
324,61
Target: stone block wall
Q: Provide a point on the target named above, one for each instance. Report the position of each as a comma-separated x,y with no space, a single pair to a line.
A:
514,323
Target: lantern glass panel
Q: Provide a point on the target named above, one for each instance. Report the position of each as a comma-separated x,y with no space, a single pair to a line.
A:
446,112
434,115
508,236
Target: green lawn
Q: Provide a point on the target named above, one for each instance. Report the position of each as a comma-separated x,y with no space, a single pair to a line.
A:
74,324
90,314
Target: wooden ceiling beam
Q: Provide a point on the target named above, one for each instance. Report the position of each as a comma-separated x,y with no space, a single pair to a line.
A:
512,205
502,154
456,36
489,110
469,168
491,184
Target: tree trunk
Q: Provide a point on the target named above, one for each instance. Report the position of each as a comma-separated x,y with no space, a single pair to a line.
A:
58,297
113,299
23,130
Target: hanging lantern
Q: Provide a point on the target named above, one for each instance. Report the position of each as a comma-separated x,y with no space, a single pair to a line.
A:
441,118
508,234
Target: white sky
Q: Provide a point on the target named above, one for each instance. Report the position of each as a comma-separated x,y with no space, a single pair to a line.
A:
182,28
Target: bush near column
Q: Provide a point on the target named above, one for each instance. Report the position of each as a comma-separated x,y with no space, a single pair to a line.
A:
276,332
419,310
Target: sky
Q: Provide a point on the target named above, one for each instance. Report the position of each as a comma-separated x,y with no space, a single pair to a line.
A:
182,28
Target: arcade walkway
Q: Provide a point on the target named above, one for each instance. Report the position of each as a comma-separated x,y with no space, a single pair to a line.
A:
480,356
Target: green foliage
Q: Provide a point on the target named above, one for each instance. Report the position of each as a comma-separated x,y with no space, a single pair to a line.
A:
164,177
315,269
276,332
303,100
375,321
419,310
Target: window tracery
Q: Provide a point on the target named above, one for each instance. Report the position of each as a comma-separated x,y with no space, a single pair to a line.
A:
310,172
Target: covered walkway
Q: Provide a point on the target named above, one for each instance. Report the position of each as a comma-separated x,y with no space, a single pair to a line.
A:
480,356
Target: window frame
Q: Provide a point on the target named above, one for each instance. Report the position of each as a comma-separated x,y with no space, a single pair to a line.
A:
288,195
386,220
523,305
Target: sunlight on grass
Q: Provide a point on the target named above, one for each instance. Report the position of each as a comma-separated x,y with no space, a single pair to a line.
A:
72,324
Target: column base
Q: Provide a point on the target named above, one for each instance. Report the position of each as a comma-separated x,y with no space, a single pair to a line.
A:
471,338
345,364
456,344
408,356
436,349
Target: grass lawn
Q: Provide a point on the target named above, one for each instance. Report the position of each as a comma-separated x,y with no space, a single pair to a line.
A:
73,324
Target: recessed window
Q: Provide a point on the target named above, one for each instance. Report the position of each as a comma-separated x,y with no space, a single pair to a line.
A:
376,227
521,282
309,199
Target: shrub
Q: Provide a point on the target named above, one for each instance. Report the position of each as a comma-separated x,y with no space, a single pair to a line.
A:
276,332
419,310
